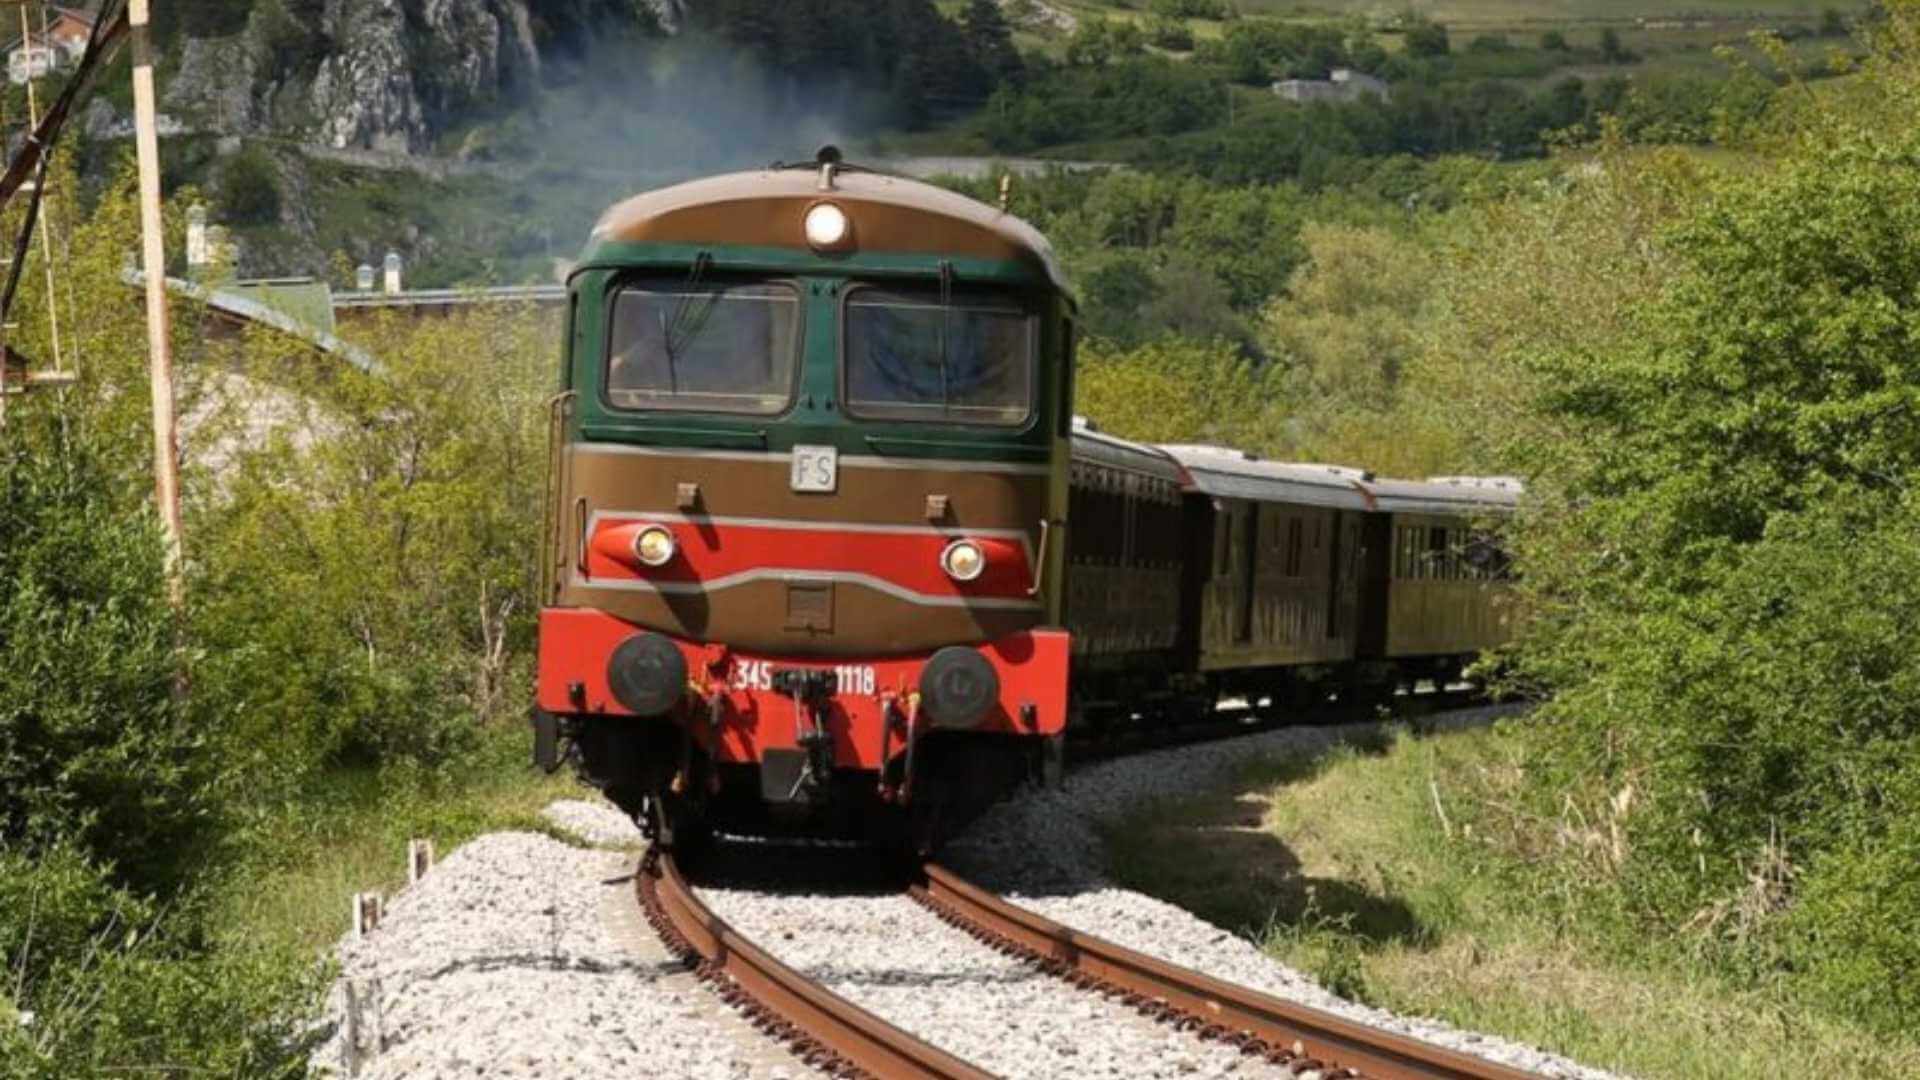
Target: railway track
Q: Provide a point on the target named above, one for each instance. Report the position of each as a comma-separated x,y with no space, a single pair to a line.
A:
841,1038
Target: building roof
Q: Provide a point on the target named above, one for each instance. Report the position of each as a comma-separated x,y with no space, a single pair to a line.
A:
533,294
242,307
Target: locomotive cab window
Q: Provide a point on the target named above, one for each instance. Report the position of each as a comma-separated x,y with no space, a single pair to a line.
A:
725,347
916,354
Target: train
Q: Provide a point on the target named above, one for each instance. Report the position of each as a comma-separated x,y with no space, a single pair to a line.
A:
828,552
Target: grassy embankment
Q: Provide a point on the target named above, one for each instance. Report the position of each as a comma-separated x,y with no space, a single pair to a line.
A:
1372,868
296,890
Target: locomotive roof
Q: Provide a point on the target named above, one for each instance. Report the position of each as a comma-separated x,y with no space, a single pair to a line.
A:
890,214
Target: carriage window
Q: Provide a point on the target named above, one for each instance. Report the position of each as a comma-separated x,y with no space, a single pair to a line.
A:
911,356
713,347
1437,551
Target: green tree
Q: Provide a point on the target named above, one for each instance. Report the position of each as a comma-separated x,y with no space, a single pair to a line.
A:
1426,38
1720,559
990,40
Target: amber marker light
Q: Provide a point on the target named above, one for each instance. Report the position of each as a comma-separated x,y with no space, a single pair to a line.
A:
827,226
654,545
963,560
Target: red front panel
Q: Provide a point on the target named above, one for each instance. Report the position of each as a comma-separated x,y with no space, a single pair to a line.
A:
575,644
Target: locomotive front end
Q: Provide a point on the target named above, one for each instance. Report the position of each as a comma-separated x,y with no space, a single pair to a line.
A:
808,474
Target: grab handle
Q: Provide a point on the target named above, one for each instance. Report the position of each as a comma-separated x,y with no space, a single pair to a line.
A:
1040,560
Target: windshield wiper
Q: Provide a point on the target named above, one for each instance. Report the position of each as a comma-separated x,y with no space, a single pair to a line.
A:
682,328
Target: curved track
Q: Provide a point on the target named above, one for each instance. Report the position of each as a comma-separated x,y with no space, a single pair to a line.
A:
823,1029
843,1039
1284,1032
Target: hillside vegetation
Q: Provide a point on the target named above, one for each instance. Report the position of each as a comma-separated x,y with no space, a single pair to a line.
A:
1687,318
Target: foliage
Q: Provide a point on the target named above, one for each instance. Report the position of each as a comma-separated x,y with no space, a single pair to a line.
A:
250,188
92,745
1176,391
1356,316
409,500
1426,38
113,988
1147,96
1720,561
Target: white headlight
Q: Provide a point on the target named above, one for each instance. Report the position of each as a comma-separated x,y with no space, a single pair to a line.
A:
654,545
826,226
963,560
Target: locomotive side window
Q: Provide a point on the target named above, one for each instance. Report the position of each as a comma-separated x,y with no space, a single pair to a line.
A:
715,347
916,355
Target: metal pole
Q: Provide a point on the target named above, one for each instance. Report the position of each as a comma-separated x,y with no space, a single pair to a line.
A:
166,444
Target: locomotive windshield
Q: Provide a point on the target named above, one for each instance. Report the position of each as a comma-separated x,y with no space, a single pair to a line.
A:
710,347
914,355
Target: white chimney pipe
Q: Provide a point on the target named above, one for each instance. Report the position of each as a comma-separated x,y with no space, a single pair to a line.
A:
198,253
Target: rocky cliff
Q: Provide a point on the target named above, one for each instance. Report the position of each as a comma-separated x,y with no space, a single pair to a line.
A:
386,75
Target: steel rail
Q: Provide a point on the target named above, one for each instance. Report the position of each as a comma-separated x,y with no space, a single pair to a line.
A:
1285,1032
823,1029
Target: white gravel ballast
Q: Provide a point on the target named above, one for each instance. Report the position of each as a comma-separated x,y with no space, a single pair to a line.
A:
1043,851
500,963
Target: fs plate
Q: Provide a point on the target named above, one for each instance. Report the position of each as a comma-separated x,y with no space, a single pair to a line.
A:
815,468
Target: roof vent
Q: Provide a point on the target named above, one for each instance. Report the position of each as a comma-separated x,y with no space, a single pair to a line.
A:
1344,472
1209,450
1494,483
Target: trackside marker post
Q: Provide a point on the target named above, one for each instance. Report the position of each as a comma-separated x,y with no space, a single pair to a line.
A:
419,860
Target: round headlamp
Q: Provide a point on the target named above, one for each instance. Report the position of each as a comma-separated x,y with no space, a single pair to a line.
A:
827,226
654,545
963,560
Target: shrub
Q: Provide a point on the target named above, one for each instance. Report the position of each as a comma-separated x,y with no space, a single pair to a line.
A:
114,990
1426,38
1722,559
250,188
370,546
1171,34
92,744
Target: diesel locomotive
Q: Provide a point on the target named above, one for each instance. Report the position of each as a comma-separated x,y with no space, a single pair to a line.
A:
827,551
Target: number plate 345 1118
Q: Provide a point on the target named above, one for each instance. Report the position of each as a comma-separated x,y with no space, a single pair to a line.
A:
815,468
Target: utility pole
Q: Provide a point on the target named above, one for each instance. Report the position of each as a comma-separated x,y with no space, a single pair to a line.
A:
46,207
166,443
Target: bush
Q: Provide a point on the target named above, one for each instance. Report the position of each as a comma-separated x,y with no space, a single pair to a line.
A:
1722,558
1426,38
410,502
113,990
1170,34
250,188
92,744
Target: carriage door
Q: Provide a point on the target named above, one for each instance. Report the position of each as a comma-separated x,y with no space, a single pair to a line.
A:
1245,565
1345,560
